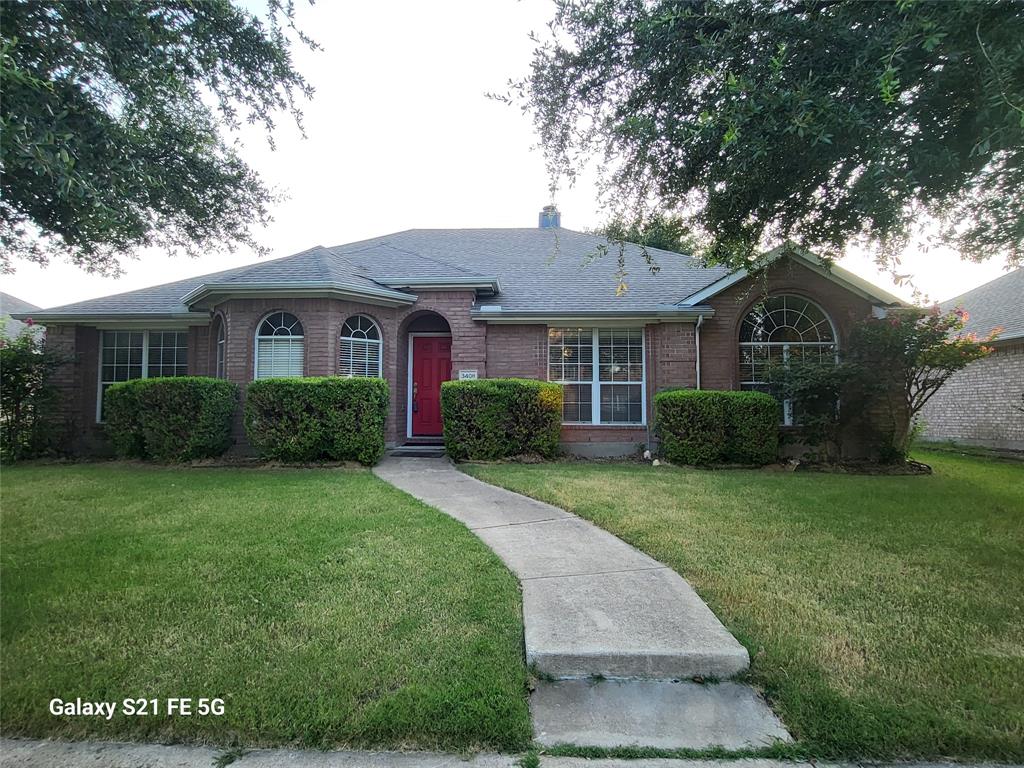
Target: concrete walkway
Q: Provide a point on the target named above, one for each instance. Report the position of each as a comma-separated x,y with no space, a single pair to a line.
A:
596,611
592,604
31,753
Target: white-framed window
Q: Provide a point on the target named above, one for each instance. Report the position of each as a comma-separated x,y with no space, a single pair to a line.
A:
166,353
779,330
220,367
280,347
602,373
127,355
360,351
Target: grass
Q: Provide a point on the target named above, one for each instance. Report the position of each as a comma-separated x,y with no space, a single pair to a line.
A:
325,607
884,615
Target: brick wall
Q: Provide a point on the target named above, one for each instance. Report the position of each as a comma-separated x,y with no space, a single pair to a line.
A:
519,351
469,346
720,334
76,381
496,350
976,405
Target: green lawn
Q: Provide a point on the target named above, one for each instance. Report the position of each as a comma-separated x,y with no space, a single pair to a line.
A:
324,606
884,615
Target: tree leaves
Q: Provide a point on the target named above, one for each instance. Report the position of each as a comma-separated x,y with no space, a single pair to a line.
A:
822,121
112,119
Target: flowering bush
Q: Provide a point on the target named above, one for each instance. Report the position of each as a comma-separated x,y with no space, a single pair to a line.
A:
904,358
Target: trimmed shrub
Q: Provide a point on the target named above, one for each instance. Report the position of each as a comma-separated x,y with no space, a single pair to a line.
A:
691,426
751,428
703,427
489,419
122,417
315,419
177,418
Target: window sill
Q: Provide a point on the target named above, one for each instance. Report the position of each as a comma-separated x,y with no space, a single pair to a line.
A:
590,425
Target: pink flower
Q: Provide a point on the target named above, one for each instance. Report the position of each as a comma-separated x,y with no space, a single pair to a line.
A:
29,322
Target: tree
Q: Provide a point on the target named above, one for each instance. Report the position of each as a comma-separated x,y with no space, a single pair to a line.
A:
29,419
669,233
822,121
905,358
111,125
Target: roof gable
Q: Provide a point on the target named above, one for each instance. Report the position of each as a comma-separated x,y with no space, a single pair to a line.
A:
832,272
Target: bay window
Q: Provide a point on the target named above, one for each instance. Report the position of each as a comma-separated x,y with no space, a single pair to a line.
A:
602,374
280,347
360,352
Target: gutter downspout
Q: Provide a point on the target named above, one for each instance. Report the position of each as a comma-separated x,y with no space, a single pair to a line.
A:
696,333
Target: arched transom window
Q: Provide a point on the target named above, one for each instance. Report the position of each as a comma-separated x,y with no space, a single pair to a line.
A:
279,346
360,350
779,330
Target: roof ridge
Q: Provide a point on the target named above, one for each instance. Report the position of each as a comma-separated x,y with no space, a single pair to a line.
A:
356,270
321,253
434,259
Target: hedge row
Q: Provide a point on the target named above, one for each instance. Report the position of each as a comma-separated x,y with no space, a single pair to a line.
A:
170,419
703,427
312,419
490,419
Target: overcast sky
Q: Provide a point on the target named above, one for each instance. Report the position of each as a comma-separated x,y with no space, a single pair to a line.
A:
401,135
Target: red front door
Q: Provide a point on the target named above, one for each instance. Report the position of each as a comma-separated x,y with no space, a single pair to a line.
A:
431,364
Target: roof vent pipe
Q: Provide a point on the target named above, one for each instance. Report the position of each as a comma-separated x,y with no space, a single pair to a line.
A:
550,218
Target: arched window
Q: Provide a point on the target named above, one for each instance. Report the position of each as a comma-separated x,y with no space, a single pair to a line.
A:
220,368
360,350
279,346
779,330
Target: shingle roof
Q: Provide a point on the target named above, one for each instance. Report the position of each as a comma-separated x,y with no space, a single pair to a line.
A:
997,304
538,269
12,305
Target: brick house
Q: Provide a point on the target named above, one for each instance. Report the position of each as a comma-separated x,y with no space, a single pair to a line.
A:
422,306
980,405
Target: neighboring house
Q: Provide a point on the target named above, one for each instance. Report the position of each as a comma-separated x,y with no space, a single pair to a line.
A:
981,404
421,306
12,305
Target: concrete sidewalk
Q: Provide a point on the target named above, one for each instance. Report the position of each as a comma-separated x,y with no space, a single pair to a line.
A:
592,604
621,634
31,753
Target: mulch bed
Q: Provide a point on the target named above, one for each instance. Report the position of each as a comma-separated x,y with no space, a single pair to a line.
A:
909,467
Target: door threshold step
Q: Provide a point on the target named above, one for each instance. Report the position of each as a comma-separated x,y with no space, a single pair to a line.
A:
653,713
422,451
